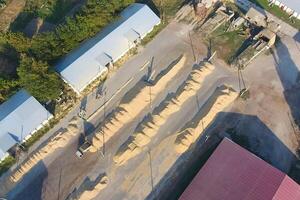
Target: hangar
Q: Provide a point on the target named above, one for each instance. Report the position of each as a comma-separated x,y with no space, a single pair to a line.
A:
94,57
20,117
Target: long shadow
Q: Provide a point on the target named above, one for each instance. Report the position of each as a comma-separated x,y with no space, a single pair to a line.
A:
288,73
246,130
87,184
297,37
31,186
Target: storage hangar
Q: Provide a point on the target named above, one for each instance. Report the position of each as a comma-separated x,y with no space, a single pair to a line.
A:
20,117
233,173
94,57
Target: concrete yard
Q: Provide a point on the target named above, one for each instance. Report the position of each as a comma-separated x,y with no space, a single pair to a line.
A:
264,123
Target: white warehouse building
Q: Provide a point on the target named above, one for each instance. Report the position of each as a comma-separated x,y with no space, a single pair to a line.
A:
292,7
85,64
20,117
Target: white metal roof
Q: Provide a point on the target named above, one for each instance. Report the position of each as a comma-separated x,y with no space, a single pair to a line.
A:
19,117
82,65
6,142
292,4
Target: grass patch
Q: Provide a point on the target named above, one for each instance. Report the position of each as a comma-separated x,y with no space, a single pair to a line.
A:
6,164
226,43
153,33
275,10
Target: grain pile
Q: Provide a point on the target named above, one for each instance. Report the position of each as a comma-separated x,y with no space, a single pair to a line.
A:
128,111
91,194
59,141
222,97
149,128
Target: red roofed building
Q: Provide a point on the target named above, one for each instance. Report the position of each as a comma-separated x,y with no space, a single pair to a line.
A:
233,173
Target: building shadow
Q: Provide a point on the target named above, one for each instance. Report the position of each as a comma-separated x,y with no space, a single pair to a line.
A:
246,130
288,73
31,185
297,37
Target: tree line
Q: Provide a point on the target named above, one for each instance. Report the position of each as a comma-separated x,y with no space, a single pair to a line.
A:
36,55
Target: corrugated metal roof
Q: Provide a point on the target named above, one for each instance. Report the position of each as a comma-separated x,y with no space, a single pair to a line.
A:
292,4
2,154
20,116
288,190
81,66
7,141
233,173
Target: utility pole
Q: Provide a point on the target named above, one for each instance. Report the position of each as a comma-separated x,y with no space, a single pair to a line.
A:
148,80
244,92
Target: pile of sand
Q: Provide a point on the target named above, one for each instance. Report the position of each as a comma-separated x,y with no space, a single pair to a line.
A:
150,127
128,111
91,194
59,141
222,97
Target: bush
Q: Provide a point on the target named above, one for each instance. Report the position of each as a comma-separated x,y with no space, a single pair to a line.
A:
37,53
38,79
6,164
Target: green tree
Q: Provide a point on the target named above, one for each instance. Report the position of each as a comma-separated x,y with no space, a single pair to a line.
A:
93,17
38,79
7,88
18,41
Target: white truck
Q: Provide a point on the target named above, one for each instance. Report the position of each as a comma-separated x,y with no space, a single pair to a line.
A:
83,148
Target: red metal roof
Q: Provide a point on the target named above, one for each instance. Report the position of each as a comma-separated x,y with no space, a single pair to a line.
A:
233,173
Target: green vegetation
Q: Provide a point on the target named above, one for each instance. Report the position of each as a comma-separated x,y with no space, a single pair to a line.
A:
50,10
275,10
168,8
7,87
39,80
44,49
153,33
37,135
227,43
34,56
6,164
